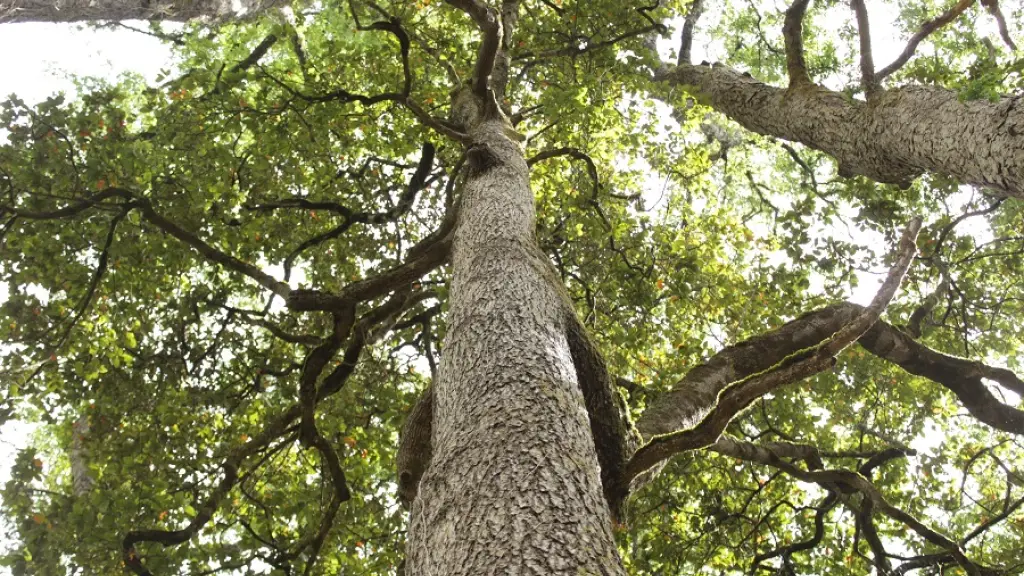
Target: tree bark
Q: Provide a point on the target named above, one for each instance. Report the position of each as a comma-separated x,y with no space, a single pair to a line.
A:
81,478
693,397
514,483
897,136
12,11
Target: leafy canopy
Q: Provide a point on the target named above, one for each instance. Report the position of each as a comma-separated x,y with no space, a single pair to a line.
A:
153,361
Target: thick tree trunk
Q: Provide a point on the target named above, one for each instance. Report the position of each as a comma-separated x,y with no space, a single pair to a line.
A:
117,10
514,484
899,135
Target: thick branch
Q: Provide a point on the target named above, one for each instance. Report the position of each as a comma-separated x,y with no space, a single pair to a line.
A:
792,31
867,62
793,367
689,23
489,22
903,133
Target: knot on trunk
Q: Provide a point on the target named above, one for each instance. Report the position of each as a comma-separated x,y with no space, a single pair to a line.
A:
414,448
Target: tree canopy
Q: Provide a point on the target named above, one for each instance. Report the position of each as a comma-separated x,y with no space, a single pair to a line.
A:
169,251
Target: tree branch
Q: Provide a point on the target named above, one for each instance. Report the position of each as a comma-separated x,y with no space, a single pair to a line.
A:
849,481
573,153
425,256
926,29
363,333
489,22
792,31
867,62
689,23
796,366
212,254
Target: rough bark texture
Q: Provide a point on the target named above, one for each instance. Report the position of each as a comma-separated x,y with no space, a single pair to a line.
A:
414,448
85,10
695,395
81,477
514,484
901,134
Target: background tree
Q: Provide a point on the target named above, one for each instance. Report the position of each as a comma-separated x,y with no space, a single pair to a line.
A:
226,292
117,10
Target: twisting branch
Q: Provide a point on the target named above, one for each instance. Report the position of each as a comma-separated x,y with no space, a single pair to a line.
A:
926,29
849,481
792,368
573,153
417,182
820,512
792,31
867,62
366,330
145,207
394,26
403,98
997,13
425,256
489,22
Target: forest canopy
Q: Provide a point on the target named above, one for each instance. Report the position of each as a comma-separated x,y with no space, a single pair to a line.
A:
225,291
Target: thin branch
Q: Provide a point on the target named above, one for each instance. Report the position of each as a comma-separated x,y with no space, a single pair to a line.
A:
573,153
145,207
425,256
997,13
417,182
851,481
214,255
589,46
362,334
926,29
820,512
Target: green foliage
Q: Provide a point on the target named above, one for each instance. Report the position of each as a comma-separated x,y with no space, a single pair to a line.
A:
688,242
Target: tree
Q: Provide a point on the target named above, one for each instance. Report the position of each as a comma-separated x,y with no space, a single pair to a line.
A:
225,292
118,10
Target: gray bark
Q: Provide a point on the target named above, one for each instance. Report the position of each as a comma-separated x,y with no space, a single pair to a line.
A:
81,478
901,134
116,10
693,397
514,484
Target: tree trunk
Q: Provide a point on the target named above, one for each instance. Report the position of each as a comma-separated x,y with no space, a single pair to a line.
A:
899,135
117,10
81,478
514,484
